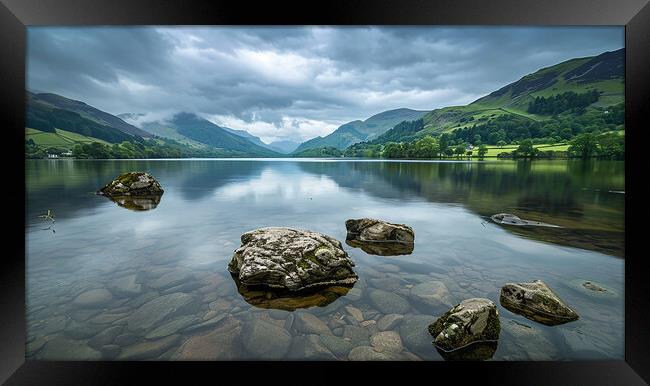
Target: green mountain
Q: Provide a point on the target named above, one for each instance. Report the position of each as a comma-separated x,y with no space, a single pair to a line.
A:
51,101
358,131
201,130
603,73
46,117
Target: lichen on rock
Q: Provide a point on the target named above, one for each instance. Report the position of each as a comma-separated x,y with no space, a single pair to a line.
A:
290,259
132,184
471,322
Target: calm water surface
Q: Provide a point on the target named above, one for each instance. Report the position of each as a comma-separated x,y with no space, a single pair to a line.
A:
106,282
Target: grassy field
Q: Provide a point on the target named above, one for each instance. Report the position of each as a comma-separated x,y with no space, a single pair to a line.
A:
61,138
494,151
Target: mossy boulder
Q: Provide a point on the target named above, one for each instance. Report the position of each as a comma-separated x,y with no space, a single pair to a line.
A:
379,237
537,302
132,184
290,259
471,321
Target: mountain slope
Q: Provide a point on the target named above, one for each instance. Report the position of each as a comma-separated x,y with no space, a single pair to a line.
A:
86,111
604,73
284,146
201,130
250,137
357,131
45,117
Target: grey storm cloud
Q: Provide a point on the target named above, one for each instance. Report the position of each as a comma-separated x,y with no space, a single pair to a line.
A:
294,82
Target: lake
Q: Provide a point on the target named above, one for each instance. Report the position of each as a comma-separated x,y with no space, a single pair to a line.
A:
105,282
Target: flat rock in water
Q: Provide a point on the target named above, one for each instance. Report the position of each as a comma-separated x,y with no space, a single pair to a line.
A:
265,340
388,322
470,321
148,350
93,299
415,334
309,347
105,337
388,302
222,343
537,302
169,279
357,335
291,259
210,323
310,324
125,286
511,219
172,327
337,345
368,353
387,341
64,349
432,293
156,310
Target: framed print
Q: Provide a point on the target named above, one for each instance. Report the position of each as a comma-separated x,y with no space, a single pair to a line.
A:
439,188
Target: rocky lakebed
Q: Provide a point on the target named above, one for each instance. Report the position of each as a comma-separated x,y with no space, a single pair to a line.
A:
287,293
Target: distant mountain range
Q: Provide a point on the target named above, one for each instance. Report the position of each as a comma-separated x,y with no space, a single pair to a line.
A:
47,112
358,131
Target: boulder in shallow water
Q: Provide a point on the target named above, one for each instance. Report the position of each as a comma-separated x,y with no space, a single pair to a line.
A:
537,302
379,237
132,184
291,259
511,219
470,322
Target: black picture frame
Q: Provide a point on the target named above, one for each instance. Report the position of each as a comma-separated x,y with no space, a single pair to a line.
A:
15,15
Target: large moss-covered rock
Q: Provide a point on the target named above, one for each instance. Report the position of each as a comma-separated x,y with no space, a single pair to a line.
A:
537,302
379,237
132,184
290,259
471,321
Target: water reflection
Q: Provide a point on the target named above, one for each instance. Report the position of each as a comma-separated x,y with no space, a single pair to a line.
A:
478,351
178,254
137,203
290,301
382,248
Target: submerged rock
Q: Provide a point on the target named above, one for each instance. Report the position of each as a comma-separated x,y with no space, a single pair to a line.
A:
93,299
379,237
132,184
291,259
265,340
592,288
470,322
536,302
511,219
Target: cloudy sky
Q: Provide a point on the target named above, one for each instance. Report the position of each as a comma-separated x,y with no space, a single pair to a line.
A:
298,82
